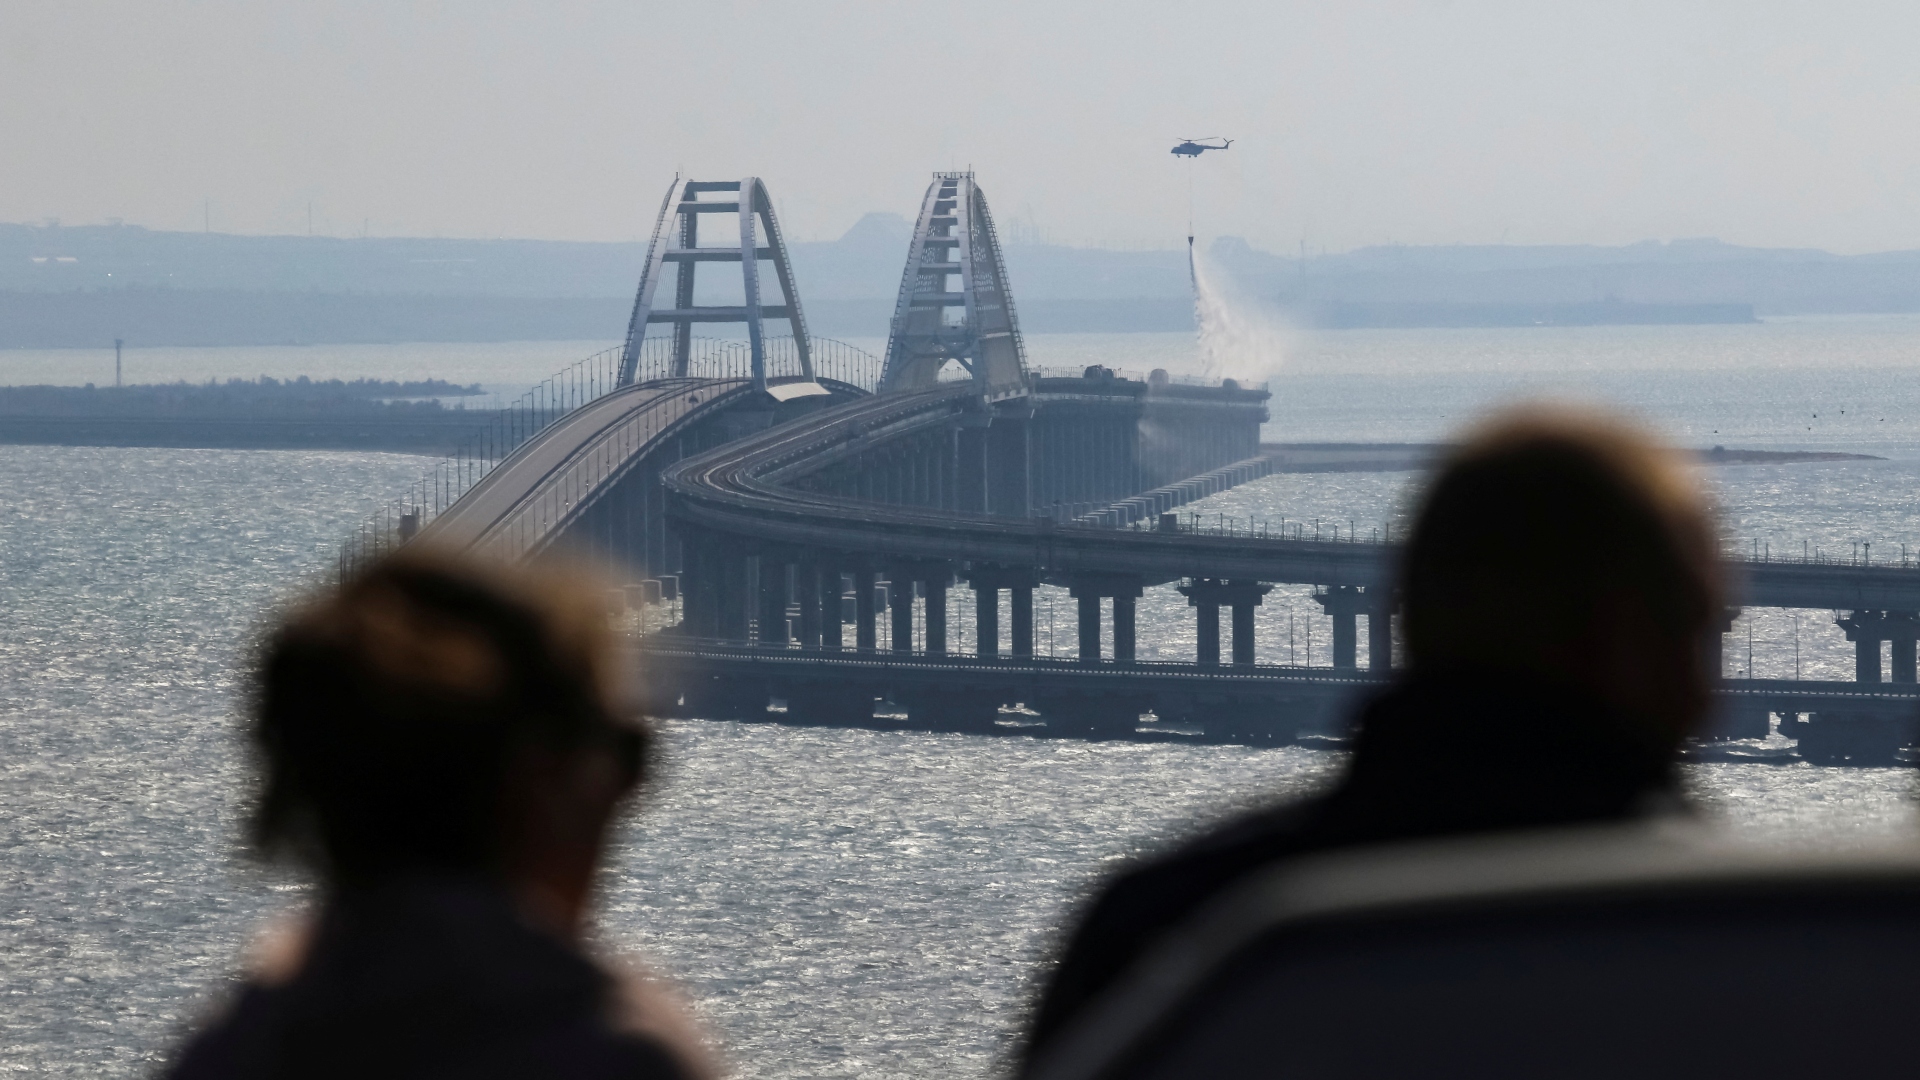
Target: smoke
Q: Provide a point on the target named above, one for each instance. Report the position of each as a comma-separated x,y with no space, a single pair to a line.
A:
1241,336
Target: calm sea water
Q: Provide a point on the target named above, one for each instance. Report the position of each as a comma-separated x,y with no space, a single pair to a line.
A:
838,903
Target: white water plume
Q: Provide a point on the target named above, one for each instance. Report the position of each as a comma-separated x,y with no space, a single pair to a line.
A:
1241,336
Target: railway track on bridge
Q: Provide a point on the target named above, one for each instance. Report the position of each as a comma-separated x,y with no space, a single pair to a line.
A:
1263,704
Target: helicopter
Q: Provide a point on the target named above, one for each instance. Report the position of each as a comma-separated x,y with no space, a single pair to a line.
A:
1193,148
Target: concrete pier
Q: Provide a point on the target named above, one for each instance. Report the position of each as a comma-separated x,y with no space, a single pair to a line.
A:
866,619
935,587
1867,629
900,602
1088,590
1344,604
987,581
1207,596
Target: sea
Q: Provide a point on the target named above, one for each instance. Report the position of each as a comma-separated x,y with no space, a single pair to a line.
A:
833,903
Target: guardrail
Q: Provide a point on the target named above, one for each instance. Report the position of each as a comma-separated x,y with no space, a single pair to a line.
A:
1759,551
1351,531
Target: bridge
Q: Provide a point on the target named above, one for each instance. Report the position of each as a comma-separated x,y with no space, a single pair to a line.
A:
787,497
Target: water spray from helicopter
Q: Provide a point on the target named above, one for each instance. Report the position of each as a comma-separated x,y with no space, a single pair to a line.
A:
1239,336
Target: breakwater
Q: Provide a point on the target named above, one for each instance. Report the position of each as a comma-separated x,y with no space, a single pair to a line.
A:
422,416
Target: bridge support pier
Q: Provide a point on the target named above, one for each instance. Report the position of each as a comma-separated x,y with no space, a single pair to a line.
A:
772,615
832,609
1903,630
937,614
1208,596
1123,629
1243,632
865,618
1009,473
986,620
1089,604
1020,612
700,605
987,581
1344,603
1866,629
734,594
807,584
1380,628
1089,590
900,600
970,449
1716,659
1207,639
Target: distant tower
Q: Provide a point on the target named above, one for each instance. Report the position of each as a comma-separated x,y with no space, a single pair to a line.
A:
932,321
676,241
117,342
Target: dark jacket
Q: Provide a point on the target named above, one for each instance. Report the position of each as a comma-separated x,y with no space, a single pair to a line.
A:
1435,755
430,979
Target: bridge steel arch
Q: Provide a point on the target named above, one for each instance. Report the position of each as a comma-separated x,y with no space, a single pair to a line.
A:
676,244
955,238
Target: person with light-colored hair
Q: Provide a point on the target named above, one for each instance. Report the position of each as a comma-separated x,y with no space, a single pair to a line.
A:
1558,594
440,748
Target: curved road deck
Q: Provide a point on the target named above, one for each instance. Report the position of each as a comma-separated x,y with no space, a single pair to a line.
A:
745,488
525,501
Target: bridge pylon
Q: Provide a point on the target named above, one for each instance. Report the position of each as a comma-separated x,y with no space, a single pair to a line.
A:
933,322
676,243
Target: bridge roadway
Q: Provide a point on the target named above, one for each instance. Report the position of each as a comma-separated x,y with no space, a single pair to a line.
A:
531,495
1258,703
745,488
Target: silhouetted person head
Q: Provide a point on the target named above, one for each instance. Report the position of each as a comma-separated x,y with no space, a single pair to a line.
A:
1558,591
434,716
439,744
1566,545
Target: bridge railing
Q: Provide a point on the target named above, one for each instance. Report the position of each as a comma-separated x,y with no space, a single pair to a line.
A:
564,391
1323,530
714,358
1756,550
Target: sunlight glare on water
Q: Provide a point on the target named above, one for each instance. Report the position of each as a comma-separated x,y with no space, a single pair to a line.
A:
839,903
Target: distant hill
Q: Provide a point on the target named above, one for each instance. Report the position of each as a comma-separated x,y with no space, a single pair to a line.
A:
84,286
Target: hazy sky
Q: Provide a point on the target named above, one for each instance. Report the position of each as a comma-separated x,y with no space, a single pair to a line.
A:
1356,123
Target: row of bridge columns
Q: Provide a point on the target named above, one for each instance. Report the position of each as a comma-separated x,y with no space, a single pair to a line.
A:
1866,630
732,594
981,463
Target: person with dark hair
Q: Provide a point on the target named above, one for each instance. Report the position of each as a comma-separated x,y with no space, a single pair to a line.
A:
1558,592
440,749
